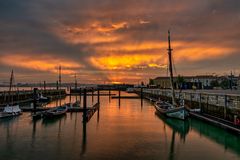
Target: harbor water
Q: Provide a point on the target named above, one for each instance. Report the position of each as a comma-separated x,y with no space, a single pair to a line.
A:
124,130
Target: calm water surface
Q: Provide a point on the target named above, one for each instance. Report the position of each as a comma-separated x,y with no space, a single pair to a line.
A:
129,131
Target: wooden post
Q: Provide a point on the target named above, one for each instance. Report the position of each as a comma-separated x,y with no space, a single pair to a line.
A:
70,96
34,100
141,96
200,102
207,102
44,86
98,96
109,94
17,96
92,94
5,97
84,105
191,99
119,97
57,85
80,101
225,107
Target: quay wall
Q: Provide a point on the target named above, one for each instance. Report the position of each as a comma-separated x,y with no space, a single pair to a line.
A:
221,105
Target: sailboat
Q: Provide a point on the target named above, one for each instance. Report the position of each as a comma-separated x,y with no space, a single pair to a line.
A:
173,109
60,110
10,110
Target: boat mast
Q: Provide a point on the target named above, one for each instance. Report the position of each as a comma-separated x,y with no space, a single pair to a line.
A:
171,68
75,77
10,87
60,76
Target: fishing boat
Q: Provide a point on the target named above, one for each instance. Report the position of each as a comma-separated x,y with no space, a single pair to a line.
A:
173,109
10,110
55,112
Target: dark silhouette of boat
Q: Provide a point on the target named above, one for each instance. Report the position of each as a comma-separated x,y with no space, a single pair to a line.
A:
55,112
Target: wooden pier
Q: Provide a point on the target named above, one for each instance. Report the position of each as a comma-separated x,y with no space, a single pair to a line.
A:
26,96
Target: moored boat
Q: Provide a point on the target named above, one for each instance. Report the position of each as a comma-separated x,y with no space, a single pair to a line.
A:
10,111
55,112
173,109
169,110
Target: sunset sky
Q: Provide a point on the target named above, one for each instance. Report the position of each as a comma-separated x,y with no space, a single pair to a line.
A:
109,41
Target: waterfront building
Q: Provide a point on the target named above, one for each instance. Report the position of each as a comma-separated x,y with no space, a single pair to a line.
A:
189,82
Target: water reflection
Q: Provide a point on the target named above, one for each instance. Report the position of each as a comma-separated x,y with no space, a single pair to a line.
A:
84,139
51,121
215,134
133,132
178,126
226,139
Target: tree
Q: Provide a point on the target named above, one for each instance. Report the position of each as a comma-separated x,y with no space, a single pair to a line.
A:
215,83
225,84
151,82
180,81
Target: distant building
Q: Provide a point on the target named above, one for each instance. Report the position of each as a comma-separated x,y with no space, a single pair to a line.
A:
205,80
190,82
162,82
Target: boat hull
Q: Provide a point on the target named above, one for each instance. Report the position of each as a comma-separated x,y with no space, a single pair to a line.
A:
10,111
6,115
178,112
56,112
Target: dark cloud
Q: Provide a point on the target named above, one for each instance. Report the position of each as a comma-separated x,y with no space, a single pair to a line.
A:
38,29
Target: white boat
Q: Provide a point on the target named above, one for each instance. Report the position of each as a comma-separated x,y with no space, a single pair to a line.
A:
10,111
173,109
169,110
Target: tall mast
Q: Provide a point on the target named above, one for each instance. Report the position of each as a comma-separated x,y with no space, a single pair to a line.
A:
10,87
11,82
60,77
75,76
60,81
171,68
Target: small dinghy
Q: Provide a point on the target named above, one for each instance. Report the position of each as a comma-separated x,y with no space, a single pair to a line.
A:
55,112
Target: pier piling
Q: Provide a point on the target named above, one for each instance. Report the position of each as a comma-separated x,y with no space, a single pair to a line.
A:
84,105
92,94
98,97
34,100
119,97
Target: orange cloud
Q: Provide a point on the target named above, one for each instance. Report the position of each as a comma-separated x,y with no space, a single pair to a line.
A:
97,26
133,46
115,62
49,64
198,51
97,32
